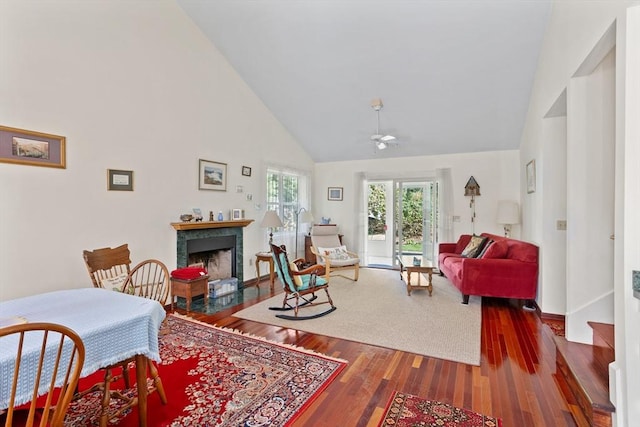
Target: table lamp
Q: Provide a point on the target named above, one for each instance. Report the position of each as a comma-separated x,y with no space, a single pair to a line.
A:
271,220
508,214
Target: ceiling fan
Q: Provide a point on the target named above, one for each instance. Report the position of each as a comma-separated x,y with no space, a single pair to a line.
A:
380,141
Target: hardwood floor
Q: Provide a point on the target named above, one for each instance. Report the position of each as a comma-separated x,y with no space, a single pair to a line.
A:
515,381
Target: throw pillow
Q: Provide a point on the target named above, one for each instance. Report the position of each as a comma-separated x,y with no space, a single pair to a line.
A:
114,283
498,250
485,249
474,247
334,253
296,279
462,243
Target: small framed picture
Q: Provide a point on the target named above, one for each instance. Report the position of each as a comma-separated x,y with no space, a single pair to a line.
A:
334,193
246,171
237,214
531,176
212,175
119,180
26,147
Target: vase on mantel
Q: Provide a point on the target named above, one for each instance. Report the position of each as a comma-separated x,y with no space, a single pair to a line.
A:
220,216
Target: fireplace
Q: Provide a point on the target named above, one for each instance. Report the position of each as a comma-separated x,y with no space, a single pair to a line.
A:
216,253
216,242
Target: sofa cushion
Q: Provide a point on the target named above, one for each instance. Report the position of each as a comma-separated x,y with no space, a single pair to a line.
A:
474,247
496,250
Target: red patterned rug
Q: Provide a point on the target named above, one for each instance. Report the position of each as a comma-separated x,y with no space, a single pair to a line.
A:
214,376
406,410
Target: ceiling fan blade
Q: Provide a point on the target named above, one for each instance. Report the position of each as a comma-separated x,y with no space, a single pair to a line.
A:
387,138
376,137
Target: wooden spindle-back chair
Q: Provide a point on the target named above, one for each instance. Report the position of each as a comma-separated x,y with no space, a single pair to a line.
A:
53,371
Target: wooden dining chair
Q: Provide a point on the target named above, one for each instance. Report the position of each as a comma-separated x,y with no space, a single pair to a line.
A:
49,359
110,268
149,279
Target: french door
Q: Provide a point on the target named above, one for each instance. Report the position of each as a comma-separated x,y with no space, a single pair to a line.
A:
402,218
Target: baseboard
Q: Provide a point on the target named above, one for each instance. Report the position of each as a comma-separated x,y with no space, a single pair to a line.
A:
550,316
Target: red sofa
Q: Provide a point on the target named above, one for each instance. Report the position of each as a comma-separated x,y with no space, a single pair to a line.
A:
507,269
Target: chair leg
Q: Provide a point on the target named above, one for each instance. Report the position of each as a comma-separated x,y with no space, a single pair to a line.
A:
357,272
157,382
125,374
106,397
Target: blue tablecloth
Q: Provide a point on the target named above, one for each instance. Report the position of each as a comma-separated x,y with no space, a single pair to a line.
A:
113,327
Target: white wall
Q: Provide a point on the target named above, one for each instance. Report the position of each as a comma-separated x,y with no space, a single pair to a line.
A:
573,31
590,199
496,172
132,85
552,295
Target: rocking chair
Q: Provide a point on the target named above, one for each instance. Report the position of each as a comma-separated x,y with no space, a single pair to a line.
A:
299,286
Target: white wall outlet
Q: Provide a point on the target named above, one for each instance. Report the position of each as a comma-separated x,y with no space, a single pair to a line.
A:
239,189
561,224
456,218
249,197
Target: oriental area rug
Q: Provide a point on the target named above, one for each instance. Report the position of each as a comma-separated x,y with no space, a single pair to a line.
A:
376,310
406,410
219,377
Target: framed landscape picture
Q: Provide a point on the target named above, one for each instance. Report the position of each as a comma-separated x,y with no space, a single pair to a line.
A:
32,148
212,175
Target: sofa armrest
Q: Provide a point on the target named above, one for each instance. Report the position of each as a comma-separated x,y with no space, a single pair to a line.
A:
447,248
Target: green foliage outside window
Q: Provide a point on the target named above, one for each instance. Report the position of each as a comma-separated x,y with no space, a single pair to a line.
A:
377,209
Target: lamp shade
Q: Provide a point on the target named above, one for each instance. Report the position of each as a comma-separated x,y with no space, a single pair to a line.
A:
306,217
508,212
271,220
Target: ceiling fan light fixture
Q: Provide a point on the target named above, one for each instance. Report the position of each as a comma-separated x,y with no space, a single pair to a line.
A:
381,145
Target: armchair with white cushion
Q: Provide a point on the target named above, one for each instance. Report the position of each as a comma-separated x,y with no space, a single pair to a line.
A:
331,253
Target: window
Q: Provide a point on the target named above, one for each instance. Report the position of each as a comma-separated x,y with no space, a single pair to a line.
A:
287,192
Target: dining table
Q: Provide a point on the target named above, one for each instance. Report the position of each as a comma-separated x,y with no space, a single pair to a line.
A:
113,326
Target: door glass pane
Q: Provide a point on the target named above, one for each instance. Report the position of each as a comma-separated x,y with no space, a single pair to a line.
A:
377,221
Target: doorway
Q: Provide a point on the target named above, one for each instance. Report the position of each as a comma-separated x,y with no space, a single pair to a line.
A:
401,221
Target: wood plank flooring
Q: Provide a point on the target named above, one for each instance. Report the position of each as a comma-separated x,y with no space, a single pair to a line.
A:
516,380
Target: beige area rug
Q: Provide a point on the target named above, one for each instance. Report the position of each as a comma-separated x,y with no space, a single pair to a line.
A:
377,310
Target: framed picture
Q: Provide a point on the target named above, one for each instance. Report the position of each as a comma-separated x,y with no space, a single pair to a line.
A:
119,180
531,176
246,171
27,147
237,214
212,175
334,193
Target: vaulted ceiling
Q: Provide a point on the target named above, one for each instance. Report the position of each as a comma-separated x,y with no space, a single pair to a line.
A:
454,75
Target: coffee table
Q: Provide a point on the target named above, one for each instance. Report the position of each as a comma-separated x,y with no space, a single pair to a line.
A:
407,266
